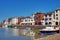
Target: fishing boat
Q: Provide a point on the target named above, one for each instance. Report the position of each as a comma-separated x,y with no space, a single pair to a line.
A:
49,30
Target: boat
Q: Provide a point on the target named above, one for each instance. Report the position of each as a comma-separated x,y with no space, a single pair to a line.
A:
49,30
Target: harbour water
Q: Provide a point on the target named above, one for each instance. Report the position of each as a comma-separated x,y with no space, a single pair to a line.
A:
11,34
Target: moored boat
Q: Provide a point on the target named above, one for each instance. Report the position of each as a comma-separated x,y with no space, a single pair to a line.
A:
49,30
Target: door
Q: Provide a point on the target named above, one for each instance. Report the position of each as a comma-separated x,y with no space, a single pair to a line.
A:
40,23
56,23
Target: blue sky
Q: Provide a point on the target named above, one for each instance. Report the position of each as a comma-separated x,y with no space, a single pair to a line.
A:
11,8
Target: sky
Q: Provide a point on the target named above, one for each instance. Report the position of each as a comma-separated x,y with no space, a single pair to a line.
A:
12,8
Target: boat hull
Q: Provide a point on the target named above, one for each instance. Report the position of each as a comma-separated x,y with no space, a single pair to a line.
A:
49,32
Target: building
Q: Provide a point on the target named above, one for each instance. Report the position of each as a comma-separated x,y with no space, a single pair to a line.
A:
5,23
52,18
48,18
14,21
29,20
57,16
39,18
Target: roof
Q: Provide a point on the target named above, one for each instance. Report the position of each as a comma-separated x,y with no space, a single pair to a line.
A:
58,9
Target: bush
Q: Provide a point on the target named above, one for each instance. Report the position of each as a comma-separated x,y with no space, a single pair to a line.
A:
9,26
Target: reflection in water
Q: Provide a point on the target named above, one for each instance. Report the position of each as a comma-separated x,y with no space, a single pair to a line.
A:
15,32
11,34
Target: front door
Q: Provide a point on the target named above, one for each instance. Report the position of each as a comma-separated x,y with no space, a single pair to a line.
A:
40,23
56,23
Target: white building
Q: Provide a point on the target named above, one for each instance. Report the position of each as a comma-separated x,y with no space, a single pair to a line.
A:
52,18
27,20
57,16
5,24
48,18
14,20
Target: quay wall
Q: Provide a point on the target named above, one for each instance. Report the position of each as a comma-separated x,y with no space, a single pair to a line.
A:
32,26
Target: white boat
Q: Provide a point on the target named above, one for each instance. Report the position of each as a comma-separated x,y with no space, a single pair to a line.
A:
49,30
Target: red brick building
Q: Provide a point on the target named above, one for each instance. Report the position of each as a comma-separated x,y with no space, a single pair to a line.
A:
38,18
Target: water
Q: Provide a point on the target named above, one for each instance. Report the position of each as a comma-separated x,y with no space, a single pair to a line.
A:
11,34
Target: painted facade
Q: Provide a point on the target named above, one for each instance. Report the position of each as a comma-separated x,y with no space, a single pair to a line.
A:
52,18
27,20
38,18
14,20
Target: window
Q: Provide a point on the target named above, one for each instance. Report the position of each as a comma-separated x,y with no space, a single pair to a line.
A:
50,23
46,23
56,11
45,15
49,18
25,23
43,19
35,23
31,23
36,17
31,20
56,14
57,18
39,23
49,15
46,18
56,23
25,20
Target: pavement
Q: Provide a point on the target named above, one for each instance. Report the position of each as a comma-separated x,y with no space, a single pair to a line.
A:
51,37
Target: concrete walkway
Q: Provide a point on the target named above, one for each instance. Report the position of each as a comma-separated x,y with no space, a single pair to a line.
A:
51,37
